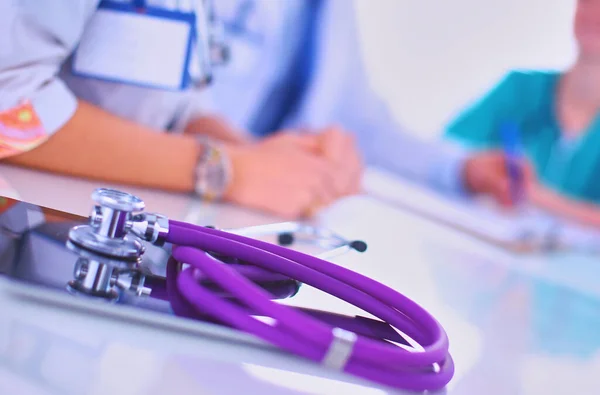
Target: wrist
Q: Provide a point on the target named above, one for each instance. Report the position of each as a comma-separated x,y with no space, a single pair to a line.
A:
452,172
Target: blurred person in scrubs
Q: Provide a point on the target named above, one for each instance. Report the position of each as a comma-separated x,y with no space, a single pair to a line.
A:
296,66
557,117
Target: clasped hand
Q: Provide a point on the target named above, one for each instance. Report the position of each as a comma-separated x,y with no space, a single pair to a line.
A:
294,175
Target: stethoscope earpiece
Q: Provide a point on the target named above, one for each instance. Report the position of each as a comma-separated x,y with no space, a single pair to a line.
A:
359,245
285,239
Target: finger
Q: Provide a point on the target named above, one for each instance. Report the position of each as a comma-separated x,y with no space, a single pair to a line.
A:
291,203
500,189
356,166
519,176
323,190
326,179
338,149
357,182
335,144
310,205
358,178
527,171
312,210
310,142
310,182
313,164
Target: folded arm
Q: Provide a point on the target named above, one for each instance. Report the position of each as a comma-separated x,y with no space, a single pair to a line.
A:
81,139
98,145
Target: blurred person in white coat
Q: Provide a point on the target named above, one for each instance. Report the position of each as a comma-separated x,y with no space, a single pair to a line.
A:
111,90
296,65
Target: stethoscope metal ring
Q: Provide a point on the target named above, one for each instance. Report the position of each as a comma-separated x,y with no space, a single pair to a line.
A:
110,223
118,200
85,236
102,277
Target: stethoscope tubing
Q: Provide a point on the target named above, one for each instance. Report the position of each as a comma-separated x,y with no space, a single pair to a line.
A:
299,267
295,331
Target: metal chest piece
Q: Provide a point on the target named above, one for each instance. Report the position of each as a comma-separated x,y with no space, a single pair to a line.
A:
104,278
110,222
117,224
110,247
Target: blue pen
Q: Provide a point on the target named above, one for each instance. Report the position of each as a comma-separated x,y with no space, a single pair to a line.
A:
512,150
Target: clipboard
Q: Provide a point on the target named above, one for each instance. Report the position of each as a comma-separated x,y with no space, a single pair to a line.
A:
527,231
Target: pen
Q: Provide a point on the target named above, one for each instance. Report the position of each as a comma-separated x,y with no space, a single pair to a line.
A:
510,141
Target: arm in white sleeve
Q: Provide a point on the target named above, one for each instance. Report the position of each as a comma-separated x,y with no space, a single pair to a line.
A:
340,94
439,165
386,144
36,37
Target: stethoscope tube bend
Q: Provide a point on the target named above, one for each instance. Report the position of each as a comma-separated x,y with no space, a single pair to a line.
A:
297,332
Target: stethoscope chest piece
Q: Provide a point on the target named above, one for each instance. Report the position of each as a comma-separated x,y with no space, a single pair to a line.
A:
117,224
110,246
85,236
103,278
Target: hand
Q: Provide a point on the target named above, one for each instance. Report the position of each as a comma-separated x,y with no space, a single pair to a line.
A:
486,173
282,175
339,148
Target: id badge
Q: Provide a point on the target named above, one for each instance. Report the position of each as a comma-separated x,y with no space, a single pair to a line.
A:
133,43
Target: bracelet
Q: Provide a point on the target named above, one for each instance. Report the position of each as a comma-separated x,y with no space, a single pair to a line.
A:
213,171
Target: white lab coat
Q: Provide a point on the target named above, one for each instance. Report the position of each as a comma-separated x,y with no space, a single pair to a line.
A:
37,39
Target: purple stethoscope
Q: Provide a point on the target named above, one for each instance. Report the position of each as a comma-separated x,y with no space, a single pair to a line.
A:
233,265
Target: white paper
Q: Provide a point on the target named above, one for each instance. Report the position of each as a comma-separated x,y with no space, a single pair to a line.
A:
452,211
134,48
528,225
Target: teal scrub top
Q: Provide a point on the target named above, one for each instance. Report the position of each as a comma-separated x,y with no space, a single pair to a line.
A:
527,100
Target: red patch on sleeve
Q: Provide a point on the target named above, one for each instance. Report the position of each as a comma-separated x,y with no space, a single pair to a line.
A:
20,130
